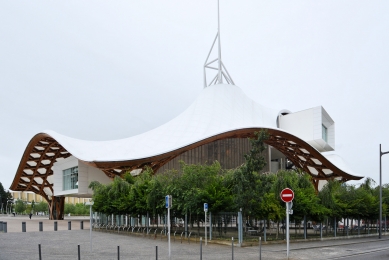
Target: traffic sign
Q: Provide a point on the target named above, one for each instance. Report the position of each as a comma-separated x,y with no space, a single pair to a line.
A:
168,201
205,207
287,195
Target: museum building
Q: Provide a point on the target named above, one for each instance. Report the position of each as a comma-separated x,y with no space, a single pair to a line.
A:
216,126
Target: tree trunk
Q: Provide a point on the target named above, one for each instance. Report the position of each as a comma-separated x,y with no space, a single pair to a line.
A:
278,228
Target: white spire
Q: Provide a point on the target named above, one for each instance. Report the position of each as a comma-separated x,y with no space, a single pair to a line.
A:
221,69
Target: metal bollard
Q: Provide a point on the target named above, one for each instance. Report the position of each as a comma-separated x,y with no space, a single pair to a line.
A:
79,253
181,236
118,252
156,252
40,226
201,248
232,248
69,225
55,226
175,236
5,227
260,248
23,226
81,224
1,225
39,250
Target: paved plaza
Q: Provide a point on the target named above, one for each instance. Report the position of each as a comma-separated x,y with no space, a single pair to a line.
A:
63,244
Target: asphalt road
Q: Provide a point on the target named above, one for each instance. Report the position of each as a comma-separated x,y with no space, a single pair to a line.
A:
361,250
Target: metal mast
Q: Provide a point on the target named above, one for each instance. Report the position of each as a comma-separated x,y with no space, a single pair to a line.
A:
219,74
221,69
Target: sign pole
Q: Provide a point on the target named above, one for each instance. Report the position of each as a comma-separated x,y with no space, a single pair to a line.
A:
287,196
168,229
205,227
287,229
90,203
168,204
90,226
205,221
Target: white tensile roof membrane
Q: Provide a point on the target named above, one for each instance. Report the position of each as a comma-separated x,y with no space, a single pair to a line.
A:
219,108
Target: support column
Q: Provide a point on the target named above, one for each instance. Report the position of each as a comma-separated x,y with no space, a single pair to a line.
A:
56,208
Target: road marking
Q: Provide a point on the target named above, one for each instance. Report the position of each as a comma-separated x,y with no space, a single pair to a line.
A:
363,253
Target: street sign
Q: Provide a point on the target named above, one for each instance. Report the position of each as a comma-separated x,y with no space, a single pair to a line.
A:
205,219
168,201
287,195
168,205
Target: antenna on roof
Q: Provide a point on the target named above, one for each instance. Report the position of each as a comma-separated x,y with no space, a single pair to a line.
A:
221,69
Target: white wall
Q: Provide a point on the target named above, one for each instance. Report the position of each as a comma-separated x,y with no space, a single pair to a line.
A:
86,174
300,124
58,168
307,125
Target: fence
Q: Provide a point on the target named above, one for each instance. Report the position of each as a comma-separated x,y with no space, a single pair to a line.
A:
225,225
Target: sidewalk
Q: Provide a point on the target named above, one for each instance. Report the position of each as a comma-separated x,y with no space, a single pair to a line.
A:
63,244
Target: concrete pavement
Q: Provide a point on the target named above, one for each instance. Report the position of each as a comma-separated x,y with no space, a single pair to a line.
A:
63,244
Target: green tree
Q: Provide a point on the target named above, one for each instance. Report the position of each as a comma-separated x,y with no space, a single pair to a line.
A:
4,197
101,198
20,206
41,206
245,178
69,208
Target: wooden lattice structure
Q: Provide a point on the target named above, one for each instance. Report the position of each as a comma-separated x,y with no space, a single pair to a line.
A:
35,169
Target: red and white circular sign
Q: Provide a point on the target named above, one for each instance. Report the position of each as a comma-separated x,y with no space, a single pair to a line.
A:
287,195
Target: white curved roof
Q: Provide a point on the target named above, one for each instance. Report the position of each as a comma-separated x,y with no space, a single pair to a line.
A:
219,108
339,162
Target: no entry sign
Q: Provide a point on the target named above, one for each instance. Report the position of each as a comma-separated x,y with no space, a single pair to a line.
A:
287,195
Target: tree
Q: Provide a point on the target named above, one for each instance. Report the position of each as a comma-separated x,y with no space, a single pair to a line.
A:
20,206
245,178
41,206
101,198
4,197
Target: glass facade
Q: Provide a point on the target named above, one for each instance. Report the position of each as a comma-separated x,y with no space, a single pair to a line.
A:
228,152
324,133
70,178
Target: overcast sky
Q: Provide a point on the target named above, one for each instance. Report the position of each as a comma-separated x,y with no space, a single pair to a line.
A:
103,70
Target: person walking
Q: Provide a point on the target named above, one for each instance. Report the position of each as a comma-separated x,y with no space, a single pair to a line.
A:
30,215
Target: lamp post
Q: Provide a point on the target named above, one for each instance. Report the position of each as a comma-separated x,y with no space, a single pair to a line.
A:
381,153
90,203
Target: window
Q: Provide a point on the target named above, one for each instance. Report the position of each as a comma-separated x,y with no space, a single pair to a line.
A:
324,133
70,178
